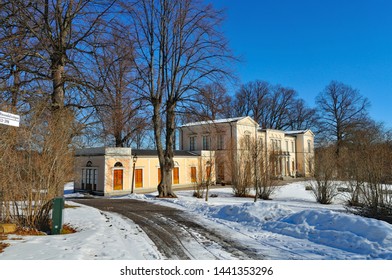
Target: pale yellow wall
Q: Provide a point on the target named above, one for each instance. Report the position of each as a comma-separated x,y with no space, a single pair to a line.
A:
245,127
150,165
305,159
211,130
110,161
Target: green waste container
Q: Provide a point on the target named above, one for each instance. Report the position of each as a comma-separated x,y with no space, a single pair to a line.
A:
57,215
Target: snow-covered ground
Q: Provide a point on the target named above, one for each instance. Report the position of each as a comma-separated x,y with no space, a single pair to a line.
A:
291,226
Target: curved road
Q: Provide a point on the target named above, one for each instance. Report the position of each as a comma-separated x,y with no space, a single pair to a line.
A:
175,233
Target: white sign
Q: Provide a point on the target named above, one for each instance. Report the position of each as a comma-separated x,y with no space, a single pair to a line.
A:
9,119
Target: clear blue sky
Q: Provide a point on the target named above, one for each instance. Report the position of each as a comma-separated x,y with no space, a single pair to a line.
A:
304,44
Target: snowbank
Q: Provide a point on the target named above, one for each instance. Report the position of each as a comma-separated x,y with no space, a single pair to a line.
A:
342,231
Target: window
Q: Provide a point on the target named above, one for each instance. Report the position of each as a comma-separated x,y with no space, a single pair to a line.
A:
292,146
206,142
193,175
247,142
221,172
89,178
287,146
220,143
309,146
261,144
192,143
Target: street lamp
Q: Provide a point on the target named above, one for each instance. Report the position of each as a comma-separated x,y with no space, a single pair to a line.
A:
134,159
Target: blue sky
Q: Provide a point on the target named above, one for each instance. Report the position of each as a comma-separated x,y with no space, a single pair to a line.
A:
305,44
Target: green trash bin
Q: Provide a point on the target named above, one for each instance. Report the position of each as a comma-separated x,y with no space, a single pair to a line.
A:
57,215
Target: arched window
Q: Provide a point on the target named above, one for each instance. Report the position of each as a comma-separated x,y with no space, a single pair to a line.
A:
118,164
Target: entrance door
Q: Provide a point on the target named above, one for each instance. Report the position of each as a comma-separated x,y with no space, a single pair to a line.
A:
193,174
139,178
118,180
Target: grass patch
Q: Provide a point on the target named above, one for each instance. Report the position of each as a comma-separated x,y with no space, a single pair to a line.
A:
3,246
68,229
28,231
70,206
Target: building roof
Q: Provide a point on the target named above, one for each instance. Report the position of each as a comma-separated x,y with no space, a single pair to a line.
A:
297,132
117,151
228,120
101,151
177,153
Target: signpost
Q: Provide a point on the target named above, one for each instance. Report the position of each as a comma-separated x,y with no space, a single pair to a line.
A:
9,119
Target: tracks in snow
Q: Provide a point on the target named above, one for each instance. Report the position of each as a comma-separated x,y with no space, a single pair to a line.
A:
175,233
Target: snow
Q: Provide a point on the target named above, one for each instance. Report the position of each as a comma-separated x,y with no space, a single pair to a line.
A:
290,226
213,121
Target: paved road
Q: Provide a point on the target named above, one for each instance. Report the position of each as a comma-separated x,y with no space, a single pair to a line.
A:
175,233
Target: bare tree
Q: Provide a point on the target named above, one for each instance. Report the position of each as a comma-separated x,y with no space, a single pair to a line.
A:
273,107
324,186
301,116
115,98
57,29
36,162
210,103
340,109
251,99
18,64
243,162
179,49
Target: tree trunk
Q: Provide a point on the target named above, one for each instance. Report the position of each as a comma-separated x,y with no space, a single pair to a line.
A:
165,186
58,81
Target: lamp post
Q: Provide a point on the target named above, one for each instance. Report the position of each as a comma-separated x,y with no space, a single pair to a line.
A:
134,159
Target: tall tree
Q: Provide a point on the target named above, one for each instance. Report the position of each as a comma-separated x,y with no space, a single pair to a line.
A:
180,48
115,98
210,103
279,104
340,110
272,106
251,100
301,116
58,29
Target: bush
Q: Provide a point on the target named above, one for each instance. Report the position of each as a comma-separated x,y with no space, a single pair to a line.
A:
36,161
324,187
324,191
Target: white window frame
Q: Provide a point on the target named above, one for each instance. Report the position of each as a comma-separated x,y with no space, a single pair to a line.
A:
192,143
89,176
206,142
220,144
